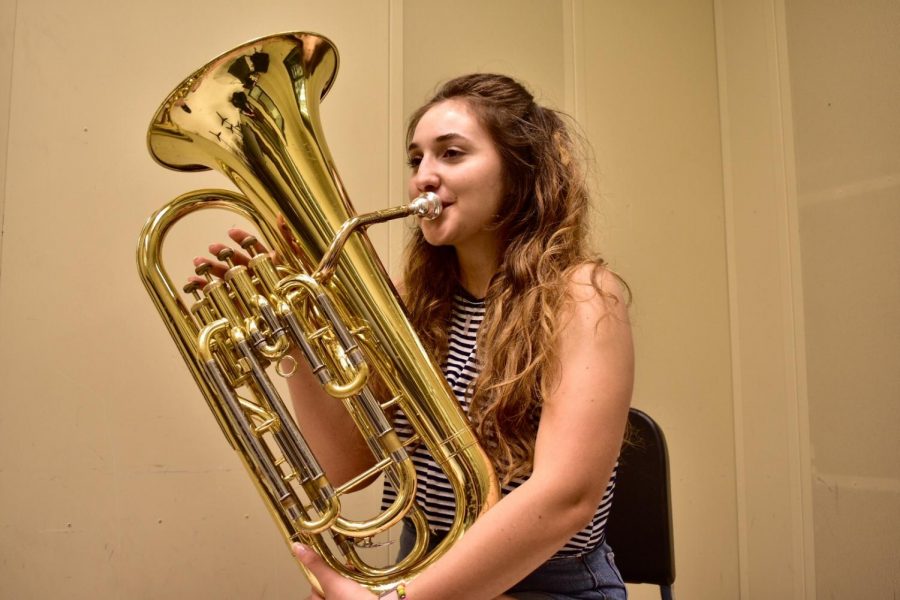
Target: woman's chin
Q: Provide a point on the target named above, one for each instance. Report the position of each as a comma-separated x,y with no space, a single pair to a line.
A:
437,234
437,240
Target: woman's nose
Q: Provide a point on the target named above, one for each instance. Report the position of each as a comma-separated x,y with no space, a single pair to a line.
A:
426,178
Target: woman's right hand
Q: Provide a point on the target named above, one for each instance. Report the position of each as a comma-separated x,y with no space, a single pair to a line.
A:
238,258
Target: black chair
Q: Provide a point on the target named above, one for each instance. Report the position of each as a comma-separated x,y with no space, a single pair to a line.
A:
639,529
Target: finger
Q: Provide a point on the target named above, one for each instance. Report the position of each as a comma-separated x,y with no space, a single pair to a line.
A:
238,258
218,268
239,235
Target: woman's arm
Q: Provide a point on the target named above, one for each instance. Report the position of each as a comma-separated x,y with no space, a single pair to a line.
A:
578,442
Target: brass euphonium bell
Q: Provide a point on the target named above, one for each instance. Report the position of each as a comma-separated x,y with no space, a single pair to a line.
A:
252,113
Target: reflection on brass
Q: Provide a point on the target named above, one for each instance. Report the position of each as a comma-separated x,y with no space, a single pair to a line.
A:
253,114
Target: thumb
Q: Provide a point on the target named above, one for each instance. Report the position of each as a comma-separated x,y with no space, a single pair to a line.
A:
324,574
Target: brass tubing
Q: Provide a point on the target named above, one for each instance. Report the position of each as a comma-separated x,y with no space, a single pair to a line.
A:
427,206
319,369
420,546
244,428
277,331
295,447
360,374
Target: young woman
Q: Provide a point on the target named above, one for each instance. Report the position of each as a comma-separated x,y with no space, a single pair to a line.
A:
534,337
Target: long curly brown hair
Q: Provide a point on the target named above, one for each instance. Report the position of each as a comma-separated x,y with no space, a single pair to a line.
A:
542,229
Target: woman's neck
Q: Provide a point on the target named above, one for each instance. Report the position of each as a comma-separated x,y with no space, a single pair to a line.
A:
476,268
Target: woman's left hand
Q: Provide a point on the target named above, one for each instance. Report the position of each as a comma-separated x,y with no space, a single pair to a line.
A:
334,586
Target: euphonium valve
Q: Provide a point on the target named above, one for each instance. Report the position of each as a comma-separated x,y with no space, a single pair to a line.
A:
253,114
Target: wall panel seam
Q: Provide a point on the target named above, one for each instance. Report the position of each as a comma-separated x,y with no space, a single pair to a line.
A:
801,462
8,118
573,67
395,130
734,320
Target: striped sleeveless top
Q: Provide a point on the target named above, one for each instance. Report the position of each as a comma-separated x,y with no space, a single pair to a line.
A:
434,495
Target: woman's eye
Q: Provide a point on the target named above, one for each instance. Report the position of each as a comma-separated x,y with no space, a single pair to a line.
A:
452,153
413,162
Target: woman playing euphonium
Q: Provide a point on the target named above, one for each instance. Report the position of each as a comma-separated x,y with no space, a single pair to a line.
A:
533,335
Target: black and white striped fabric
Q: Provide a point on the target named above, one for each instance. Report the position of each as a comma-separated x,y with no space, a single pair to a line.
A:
433,494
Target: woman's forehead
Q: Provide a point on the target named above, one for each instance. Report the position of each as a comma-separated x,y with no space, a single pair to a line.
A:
446,118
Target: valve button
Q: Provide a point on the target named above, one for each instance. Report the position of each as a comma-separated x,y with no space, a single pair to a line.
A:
226,254
249,244
203,270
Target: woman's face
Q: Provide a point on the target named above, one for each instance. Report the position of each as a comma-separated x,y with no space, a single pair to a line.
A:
452,155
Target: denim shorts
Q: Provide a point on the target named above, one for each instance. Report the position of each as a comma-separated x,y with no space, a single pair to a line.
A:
590,576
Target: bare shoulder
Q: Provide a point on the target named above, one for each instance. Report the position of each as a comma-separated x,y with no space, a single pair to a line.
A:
595,289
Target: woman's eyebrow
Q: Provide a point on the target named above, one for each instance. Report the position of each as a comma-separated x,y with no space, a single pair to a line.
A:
449,136
446,137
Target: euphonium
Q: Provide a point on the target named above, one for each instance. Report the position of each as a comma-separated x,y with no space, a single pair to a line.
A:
252,113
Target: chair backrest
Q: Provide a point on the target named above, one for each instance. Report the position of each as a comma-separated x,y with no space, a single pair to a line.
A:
639,529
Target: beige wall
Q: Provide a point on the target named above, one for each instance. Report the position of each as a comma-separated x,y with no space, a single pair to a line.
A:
650,109
114,480
844,61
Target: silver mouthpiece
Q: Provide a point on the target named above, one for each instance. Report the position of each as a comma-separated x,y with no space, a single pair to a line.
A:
427,206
